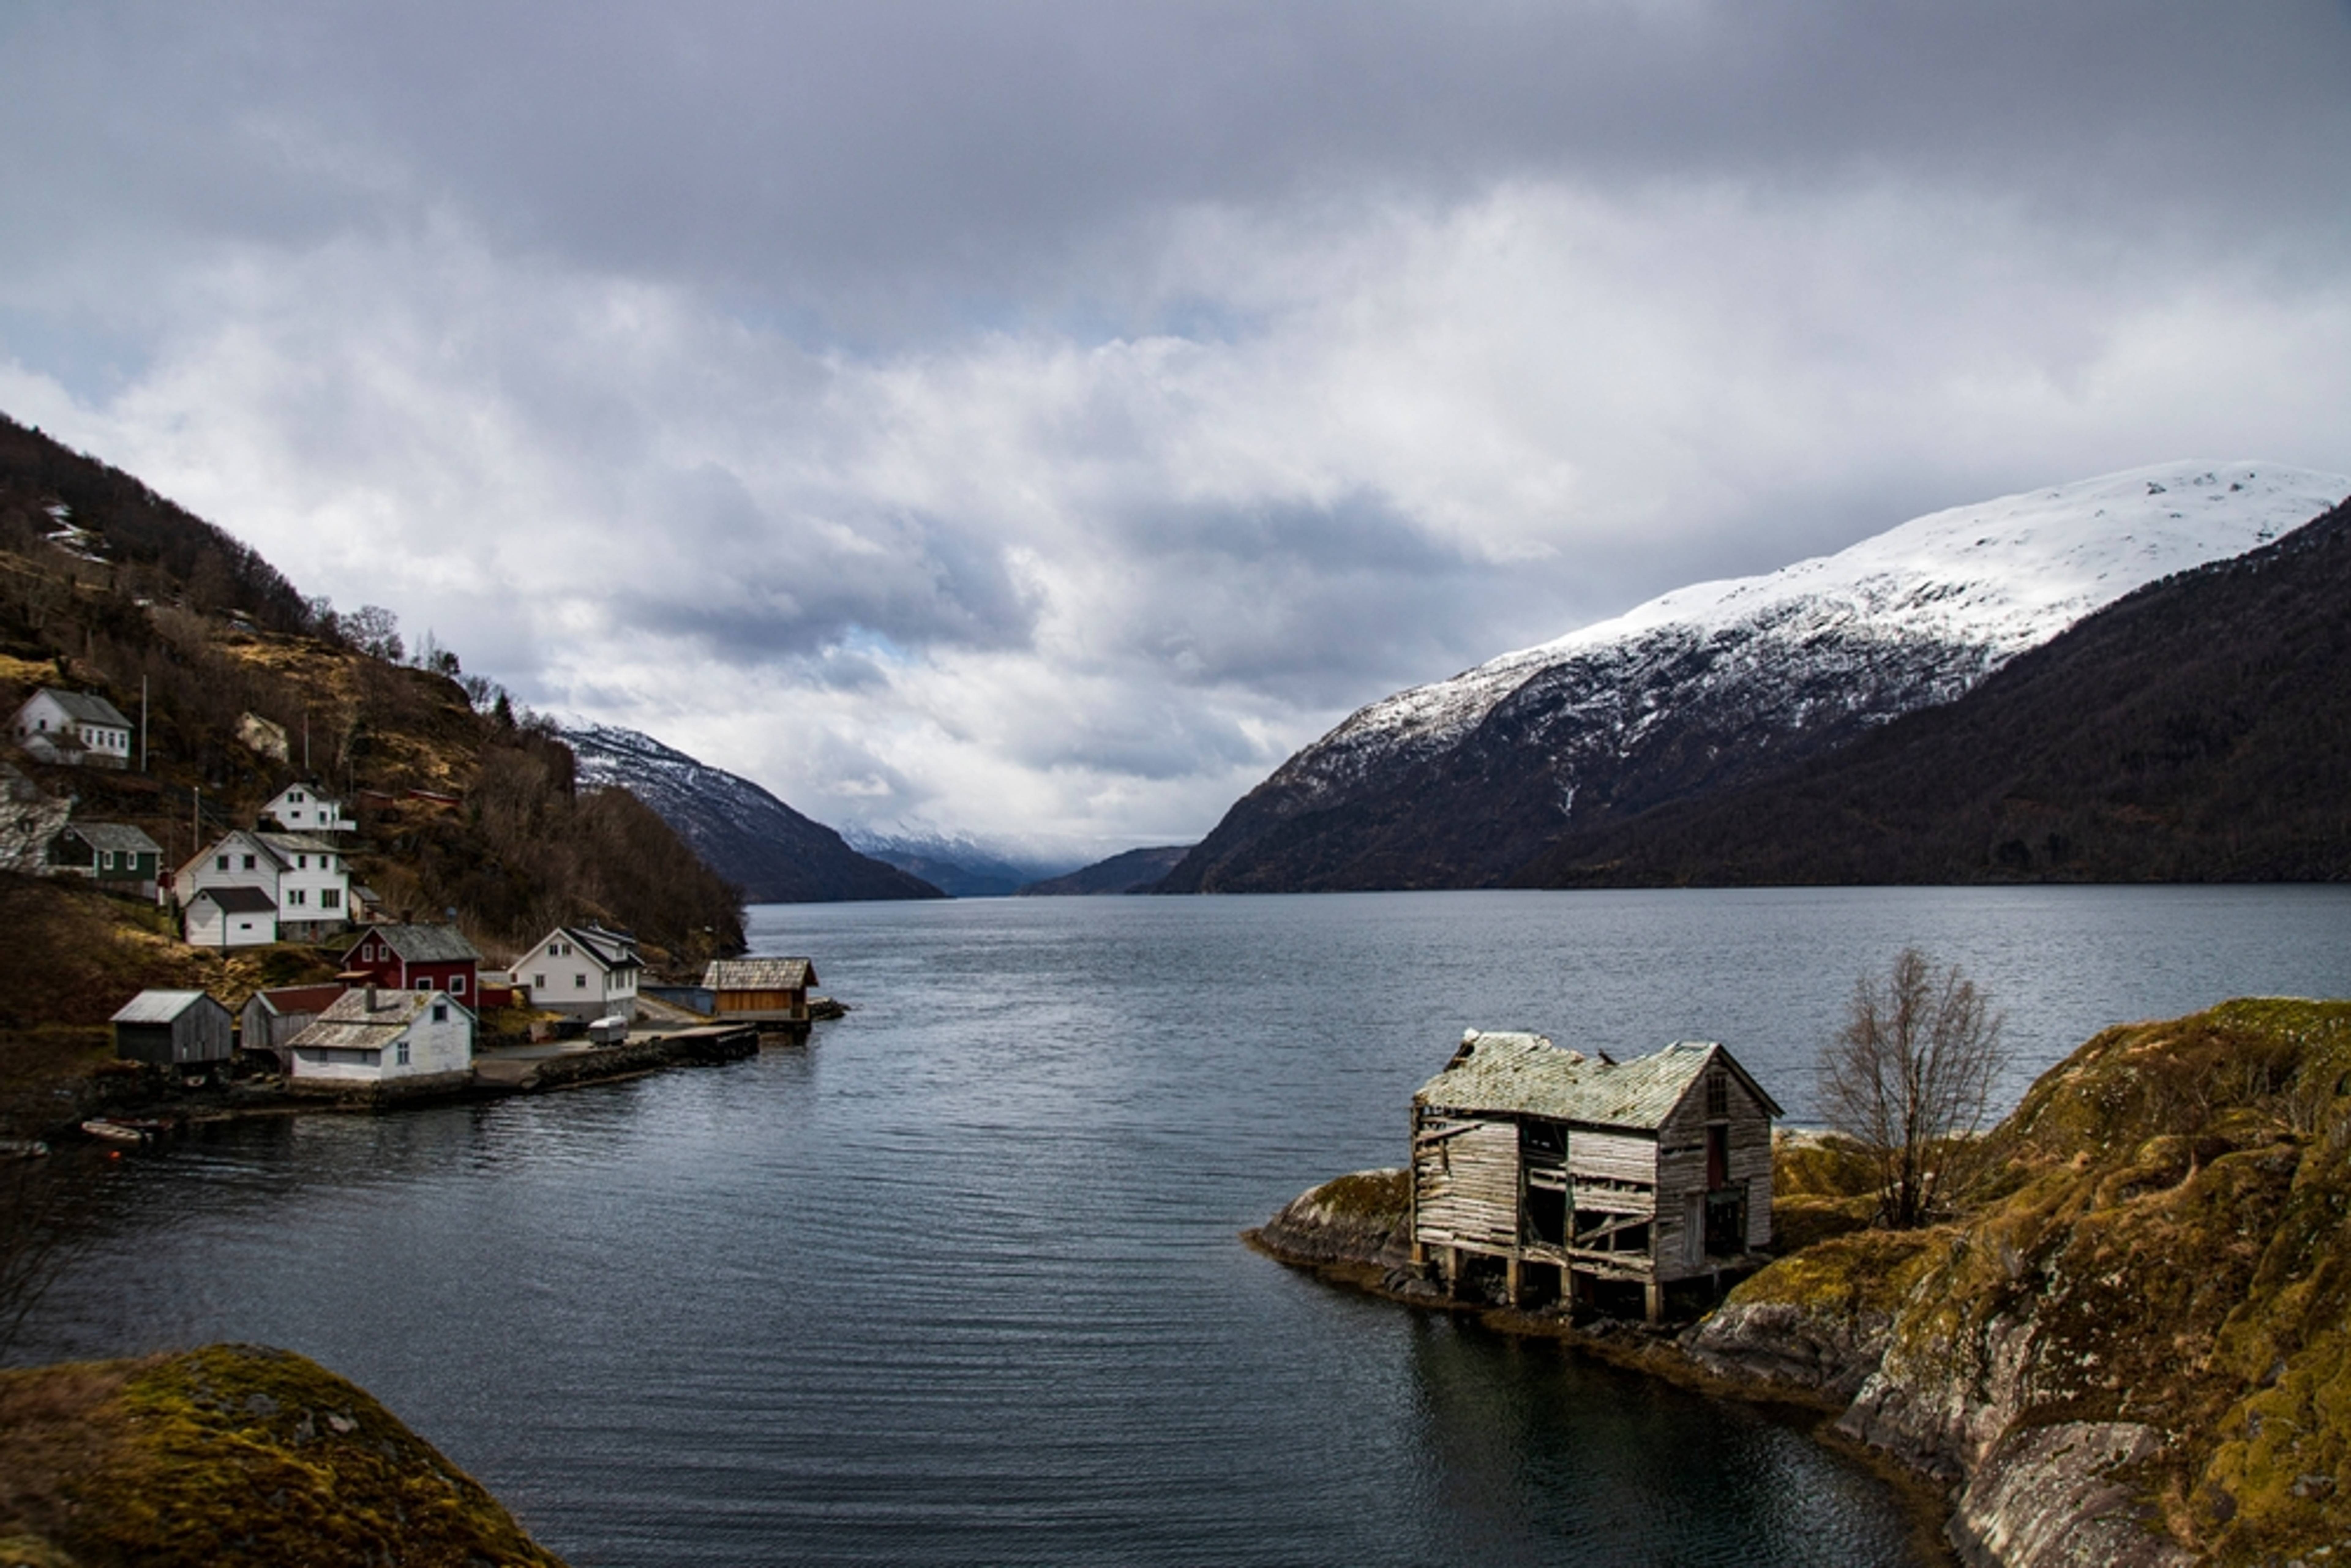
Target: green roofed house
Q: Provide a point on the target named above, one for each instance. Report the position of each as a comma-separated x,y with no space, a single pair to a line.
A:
1589,1170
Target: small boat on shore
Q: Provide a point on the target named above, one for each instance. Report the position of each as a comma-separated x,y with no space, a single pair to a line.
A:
126,1129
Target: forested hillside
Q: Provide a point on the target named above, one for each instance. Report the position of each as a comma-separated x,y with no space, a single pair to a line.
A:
462,803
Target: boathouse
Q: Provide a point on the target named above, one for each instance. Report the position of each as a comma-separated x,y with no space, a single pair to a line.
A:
759,990
1584,1169
174,1029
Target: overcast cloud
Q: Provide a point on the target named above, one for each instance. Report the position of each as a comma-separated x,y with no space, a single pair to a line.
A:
1037,420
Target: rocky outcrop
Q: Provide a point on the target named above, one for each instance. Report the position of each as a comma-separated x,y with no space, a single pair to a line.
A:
231,1456
1360,1219
2133,1347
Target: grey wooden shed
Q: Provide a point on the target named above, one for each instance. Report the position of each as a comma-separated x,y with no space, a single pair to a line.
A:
1645,1172
174,1029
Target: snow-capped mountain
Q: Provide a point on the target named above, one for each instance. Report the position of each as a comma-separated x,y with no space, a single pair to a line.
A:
1459,782
746,834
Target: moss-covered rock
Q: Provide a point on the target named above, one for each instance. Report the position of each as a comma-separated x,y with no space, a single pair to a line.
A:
230,1455
1361,1219
2136,1341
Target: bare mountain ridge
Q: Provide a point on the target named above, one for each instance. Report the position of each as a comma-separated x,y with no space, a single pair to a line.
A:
1462,782
749,836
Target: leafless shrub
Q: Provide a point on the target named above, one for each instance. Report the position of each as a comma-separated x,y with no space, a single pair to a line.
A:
1910,1079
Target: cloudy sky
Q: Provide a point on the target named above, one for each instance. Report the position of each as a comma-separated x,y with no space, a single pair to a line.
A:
1036,419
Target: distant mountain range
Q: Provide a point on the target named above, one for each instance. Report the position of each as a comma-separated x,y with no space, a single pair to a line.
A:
1136,871
962,866
1473,781
746,834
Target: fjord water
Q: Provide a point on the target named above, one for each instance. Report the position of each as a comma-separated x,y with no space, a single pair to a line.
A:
957,1283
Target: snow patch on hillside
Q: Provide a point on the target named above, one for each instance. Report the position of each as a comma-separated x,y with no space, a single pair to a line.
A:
1968,588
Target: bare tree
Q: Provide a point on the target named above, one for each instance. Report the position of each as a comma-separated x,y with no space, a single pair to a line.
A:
1910,1077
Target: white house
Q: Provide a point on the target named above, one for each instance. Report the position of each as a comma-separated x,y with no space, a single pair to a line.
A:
299,809
232,918
583,970
374,1036
307,880
80,728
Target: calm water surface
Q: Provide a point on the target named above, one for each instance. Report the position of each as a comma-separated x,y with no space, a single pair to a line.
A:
957,1283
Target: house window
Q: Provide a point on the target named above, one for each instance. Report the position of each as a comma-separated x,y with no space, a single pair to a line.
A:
1718,1095
440,1012
293,895
224,863
400,1052
248,862
538,982
301,863
579,982
457,985
106,859
330,898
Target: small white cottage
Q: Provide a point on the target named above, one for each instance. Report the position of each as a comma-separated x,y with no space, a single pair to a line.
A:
232,918
585,971
369,1036
80,728
300,809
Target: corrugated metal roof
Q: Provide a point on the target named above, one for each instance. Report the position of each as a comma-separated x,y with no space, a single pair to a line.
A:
119,837
758,974
157,1006
423,944
238,900
1529,1075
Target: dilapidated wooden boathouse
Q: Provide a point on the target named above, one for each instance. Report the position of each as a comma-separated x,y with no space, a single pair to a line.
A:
1584,1169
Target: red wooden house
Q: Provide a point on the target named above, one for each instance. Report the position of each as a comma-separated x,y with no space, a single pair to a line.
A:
418,958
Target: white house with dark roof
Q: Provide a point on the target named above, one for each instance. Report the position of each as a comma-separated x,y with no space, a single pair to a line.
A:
307,880
372,1036
586,971
77,729
1643,1172
230,917
300,809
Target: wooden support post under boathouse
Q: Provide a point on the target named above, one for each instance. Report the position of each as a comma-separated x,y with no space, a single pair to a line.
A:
1594,1174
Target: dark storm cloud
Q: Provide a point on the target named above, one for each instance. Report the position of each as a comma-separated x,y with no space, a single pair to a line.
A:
835,157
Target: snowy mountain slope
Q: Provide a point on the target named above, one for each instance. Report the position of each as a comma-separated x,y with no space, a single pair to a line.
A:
746,834
1458,782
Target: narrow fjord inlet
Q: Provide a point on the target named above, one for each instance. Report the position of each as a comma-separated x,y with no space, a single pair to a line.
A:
959,1282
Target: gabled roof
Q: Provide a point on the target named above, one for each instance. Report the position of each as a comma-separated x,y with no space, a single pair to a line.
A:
158,1006
758,974
258,840
350,1023
610,949
421,944
86,707
238,900
1529,1075
119,837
